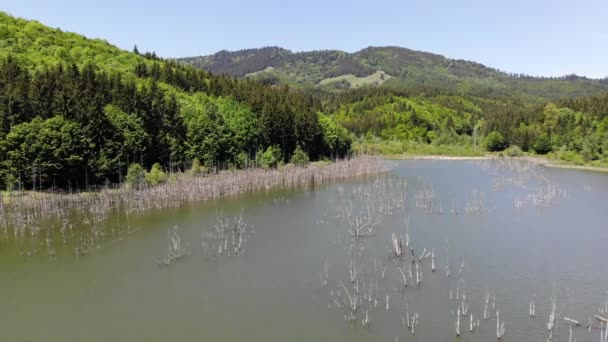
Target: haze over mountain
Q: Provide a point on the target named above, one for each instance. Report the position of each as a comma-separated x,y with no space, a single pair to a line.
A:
389,66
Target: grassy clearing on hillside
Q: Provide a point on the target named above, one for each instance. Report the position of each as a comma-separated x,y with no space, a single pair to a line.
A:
377,78
254,74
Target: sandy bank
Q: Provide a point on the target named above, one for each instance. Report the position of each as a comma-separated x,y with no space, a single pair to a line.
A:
539,160
440,157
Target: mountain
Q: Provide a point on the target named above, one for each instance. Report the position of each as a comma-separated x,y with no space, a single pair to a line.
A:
393,67
397,100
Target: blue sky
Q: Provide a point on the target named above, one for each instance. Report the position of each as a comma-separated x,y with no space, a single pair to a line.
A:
546,37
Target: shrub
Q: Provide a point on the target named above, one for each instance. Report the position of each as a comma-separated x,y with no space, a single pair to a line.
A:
156,175
242,160
494,142
269,158
571,157
514,151
136,176
196,168
299,157
10,182
542,145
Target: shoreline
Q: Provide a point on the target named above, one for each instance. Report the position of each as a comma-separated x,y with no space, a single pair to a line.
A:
24,207
562,165
443,157
538,160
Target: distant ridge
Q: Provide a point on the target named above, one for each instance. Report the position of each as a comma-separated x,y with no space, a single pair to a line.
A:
405,67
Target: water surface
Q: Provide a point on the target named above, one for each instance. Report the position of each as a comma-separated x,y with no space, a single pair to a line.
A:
273,291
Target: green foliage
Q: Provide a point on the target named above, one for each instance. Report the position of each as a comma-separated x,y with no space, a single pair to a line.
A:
459,146
126,141
269,158
513,151
570,157
218,129
542,145
197,168
242,123
136,176
243,161
41,151
494,141
11,183
299,157
156,175
336,139
407,118
206,138
37,45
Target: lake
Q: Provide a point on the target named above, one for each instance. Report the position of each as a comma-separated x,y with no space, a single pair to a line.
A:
511,232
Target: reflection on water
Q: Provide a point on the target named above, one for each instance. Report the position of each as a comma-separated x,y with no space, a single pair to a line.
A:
428,251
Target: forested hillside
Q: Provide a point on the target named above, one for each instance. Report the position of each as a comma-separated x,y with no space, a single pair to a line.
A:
434,121
76,112
407,69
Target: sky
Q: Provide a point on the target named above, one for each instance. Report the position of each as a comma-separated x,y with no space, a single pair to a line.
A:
534,37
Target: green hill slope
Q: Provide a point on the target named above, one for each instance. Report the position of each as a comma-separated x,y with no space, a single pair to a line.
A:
76,112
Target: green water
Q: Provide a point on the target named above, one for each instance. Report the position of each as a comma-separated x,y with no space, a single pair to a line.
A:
273,292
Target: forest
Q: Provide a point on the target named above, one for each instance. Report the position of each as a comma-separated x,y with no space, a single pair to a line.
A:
443,122
76,112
